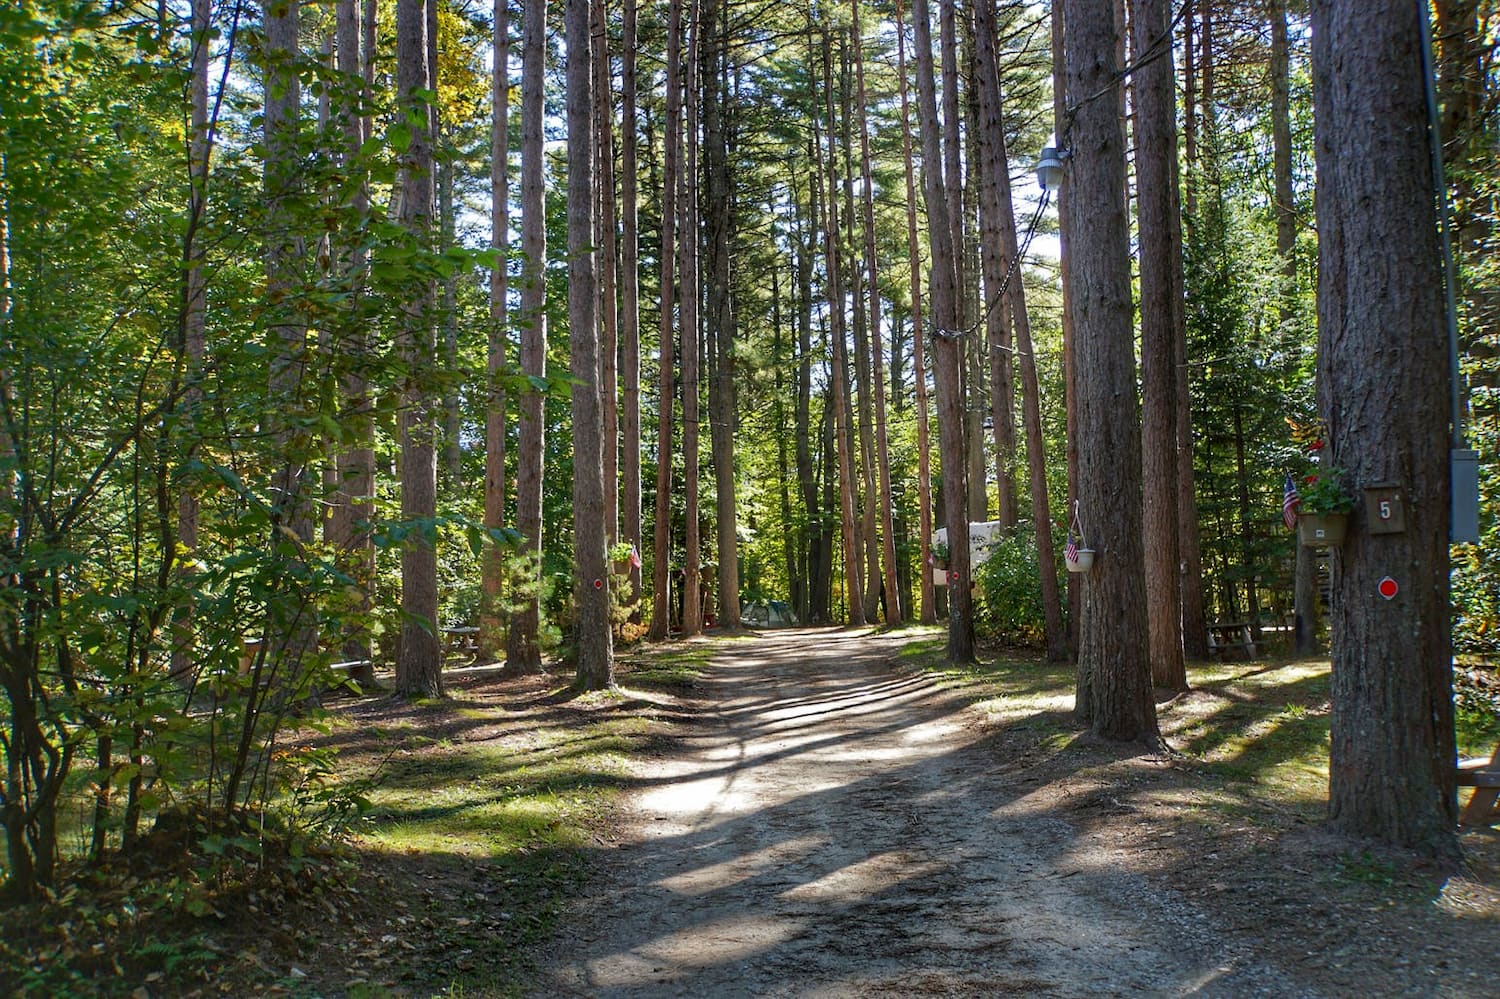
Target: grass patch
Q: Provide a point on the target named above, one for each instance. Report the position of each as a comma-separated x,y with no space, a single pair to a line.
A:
670,666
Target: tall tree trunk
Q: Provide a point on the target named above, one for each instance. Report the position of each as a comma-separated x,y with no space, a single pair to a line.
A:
607,262
194,309
592,639
661,604
1014,288
1114,658
353,504
927,611
1304,578
1161,299
872,275
721,333
523,654
692,586
1194,612
807,474
491,616
1247,518
290,630
419,662
1391,754
944,287
630,308
1190,108
998,263
1060,121
976,359
854,584
452,463
861,407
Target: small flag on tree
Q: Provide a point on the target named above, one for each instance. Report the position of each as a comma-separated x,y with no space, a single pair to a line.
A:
1290,501
635,558
1070,551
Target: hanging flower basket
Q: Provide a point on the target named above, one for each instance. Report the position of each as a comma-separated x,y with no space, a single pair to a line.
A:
1321,530
1077,556
940,556
1081,560
620,558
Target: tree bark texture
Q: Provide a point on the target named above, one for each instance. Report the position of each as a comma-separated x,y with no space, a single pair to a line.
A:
661,602
630,311
872,272
1383,390
926,610
687,250
810,610
946,347
1114,658
832,239
1060,119
1304,576
491,614
1014,304
606,266
721,332
1161,299
523,654
592,637
419,662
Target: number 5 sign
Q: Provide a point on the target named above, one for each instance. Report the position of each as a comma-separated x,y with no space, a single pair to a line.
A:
1385,511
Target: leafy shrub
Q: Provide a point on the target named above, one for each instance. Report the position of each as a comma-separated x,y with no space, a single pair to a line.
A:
1009,596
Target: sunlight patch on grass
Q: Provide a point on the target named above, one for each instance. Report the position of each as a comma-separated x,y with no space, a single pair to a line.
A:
1257,723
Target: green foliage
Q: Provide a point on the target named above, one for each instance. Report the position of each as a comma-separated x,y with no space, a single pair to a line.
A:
1009,604
1324,491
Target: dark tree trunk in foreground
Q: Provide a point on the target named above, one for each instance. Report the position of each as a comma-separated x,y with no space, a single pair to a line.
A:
1113,656
1383,383
1161,298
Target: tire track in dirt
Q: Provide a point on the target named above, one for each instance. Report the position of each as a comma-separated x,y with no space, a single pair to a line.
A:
837,827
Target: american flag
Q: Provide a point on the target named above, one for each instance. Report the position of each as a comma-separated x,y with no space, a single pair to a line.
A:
1070,551
635,557
1290,501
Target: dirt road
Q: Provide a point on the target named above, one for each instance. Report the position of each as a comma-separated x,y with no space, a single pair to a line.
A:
839,827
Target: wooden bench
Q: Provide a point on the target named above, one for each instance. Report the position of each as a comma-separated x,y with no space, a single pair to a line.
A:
1483,775
1230,636
350,674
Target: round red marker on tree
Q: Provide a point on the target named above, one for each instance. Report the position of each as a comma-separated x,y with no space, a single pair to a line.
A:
1387,588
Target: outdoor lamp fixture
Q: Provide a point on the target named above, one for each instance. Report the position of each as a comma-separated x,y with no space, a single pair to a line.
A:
1049,168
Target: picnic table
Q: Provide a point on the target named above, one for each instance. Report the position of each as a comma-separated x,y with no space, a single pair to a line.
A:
1483,775
461,638
1227,636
